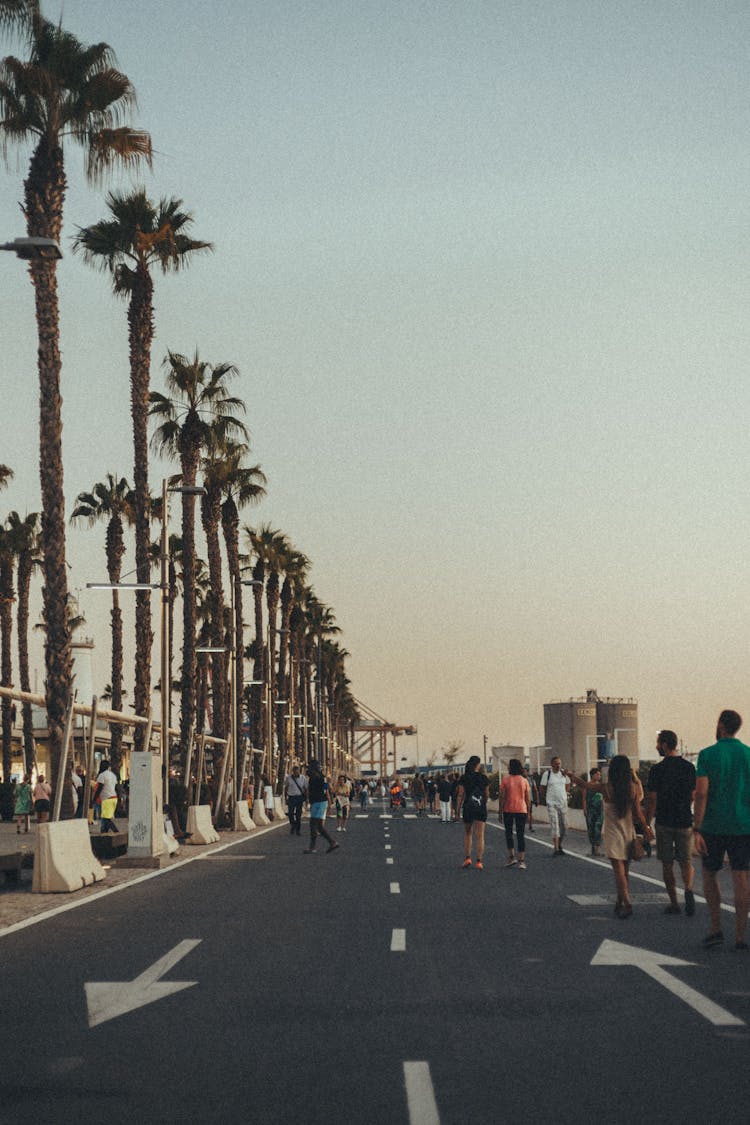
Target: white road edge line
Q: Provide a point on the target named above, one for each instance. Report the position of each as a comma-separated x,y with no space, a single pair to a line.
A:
131,883
608,867
398,941
420,1096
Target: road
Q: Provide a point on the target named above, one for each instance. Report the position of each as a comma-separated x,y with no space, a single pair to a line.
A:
380,983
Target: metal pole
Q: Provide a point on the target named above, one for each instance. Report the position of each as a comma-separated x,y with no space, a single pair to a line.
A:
60,779
199,771
89,760
166,679
228,749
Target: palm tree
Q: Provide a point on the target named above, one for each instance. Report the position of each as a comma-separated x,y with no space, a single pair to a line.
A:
111,502
7,597
6,475
266,544
296,566
199,415
242,485
26,541
64,90
139,236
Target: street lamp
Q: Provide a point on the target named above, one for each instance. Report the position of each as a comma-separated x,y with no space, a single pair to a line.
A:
33,249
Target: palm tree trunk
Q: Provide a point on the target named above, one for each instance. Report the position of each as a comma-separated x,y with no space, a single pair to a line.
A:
6,655
140,336
22,624
189,464
210,516
230,523
115,553
44,192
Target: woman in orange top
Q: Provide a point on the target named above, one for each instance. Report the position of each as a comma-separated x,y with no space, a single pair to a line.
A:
515,806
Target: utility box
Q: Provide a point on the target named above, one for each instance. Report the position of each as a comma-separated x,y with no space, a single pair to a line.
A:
146,816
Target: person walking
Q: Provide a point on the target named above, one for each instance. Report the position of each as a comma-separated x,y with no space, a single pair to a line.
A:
515,807
622,793
106,793
268,801
555,787
721,824
471,805
593,812
22,804
42,795
444,787
319,796
342,796
534,788
418,793
364,794
669,797
295,791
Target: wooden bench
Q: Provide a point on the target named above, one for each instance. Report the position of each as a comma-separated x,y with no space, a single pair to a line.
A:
10,865
109,845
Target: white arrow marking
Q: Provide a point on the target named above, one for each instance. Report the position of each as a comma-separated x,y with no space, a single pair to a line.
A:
107,999
616,953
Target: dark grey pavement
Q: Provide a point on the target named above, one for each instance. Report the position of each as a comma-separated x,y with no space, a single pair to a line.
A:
301,1011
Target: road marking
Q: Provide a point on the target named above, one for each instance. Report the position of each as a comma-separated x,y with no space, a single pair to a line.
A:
420,1096
386,816
616,953
107,999
410,816
395,889
387,847
389,859
398,941
653,898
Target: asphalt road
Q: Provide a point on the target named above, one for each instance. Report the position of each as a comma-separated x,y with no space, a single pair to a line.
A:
298,1004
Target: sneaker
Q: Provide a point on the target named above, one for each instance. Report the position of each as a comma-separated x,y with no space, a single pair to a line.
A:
689,903
332,847
467,862
712,940
740,945
673,908
522,866
479,865
510,863
309,851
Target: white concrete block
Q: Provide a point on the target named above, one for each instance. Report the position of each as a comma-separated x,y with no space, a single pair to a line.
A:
199,826
243,822
279,808
63,860
259,813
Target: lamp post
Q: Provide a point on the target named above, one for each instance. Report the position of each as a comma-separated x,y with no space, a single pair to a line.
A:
33,249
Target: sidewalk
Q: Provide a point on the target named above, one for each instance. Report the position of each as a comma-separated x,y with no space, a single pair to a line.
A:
18,903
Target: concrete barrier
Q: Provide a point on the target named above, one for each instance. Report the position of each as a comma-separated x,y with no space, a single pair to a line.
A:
279,808
63,860
199,826
259,813
243,822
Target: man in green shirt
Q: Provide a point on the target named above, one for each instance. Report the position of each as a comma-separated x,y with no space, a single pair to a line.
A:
721,823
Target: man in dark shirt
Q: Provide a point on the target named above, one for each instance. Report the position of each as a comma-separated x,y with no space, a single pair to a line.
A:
669,794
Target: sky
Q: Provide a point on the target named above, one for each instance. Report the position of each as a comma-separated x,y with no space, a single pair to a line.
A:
483,269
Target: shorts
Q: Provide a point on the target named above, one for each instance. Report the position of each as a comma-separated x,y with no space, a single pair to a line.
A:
318,810
470,817
736,847
41,806
674,844
556,814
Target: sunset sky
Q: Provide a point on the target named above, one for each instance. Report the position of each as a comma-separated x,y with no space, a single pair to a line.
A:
483,267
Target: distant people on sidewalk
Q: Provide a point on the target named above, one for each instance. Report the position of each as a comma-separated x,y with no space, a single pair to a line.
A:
319,796
22,804
515,807
81,790
555,787
444,787
622,793
342,797
42,795
669,796
268,802
721,824
419,794
364,795
106,792
534,788
295,791
593,812
471,805
77,789
431,788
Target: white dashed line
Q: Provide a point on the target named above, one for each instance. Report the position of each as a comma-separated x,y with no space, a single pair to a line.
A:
398,941
420,1095
395,889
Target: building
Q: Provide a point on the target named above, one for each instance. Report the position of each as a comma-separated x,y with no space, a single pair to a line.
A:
584,731
501,755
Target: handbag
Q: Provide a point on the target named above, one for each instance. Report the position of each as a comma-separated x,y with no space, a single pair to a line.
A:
636,849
